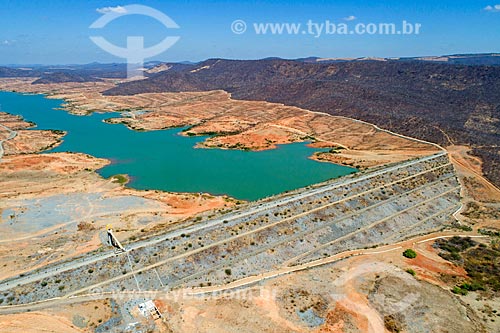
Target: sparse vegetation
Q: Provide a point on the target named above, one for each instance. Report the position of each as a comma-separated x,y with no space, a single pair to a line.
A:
462,227
488,232
393,324
120,179
481,261
453,247
459,291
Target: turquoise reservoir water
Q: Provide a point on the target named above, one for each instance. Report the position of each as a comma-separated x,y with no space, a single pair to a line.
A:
164,160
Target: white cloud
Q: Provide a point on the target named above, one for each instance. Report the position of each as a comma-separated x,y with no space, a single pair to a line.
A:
117,9
7,42
494,8
349,18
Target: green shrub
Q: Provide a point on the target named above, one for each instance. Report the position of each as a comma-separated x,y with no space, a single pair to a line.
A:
411,271
473,286
409,253
459,291
120,179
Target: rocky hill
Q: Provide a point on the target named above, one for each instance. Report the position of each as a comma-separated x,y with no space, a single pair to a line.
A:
61,77
18,72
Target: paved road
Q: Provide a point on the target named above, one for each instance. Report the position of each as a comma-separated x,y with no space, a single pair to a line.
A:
251,209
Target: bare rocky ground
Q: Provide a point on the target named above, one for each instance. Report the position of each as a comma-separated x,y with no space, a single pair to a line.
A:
372,293
84,317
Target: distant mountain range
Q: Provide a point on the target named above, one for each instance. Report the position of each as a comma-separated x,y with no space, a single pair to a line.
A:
95,70
486,59
450,99
83,73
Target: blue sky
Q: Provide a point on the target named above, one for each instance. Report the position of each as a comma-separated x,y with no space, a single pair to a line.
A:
57,31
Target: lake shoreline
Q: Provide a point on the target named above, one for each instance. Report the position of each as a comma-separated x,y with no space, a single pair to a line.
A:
264,164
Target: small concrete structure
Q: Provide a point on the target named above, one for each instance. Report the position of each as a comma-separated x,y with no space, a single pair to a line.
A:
149,309
112,240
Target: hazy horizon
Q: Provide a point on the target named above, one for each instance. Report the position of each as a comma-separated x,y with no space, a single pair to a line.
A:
270,57
57,32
